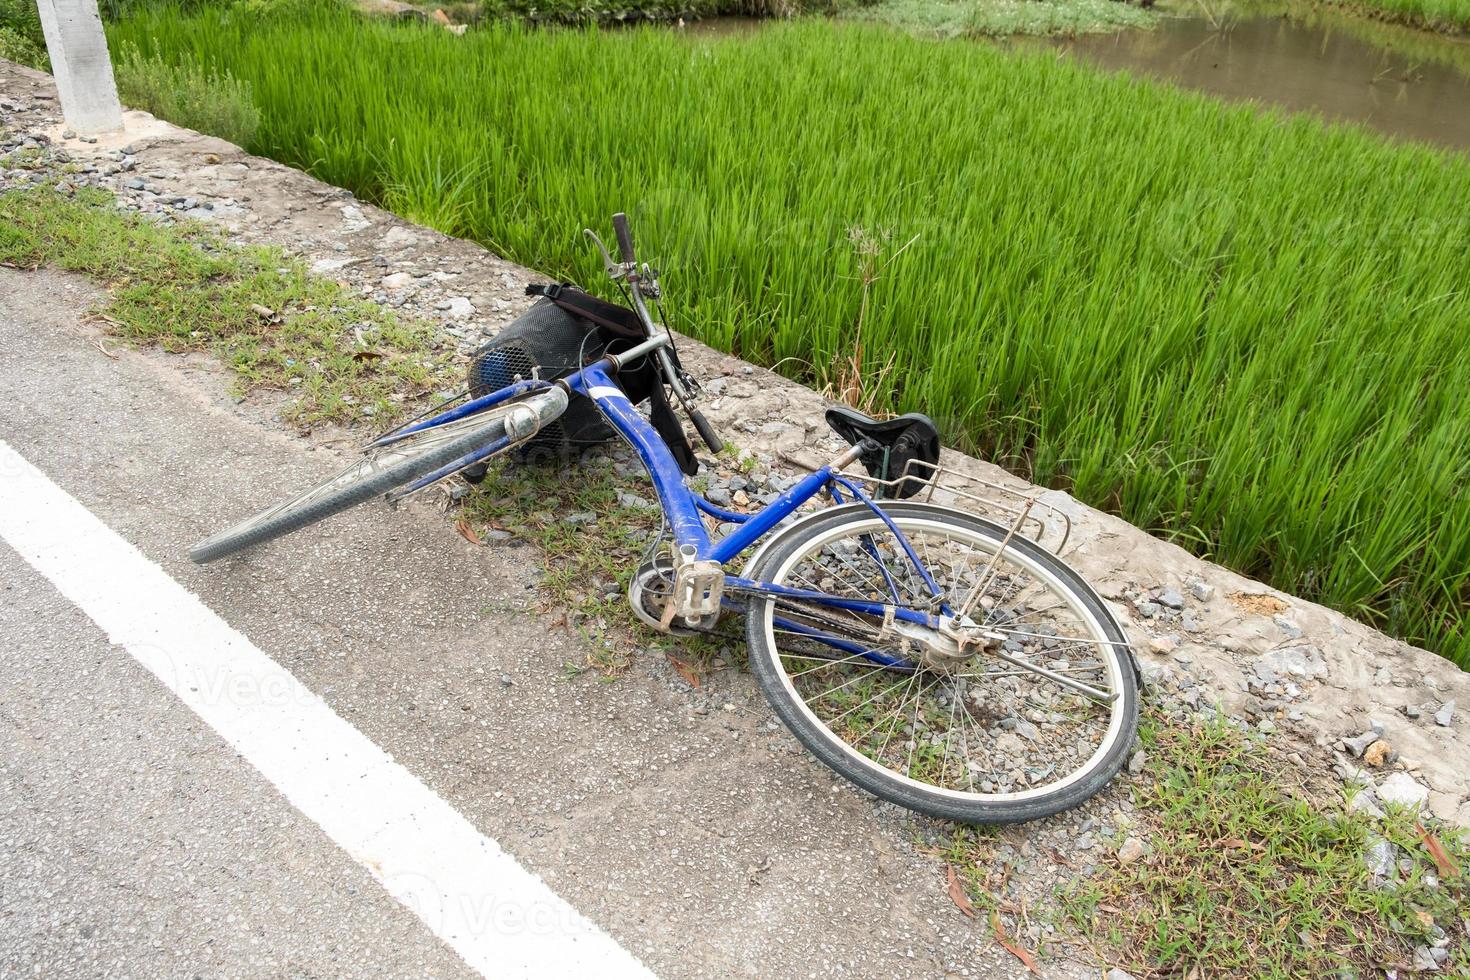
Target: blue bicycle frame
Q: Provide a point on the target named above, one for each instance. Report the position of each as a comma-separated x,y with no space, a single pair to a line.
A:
683,507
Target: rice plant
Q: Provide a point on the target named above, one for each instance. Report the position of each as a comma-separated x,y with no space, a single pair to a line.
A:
1445,16
1241,330
21,37
189,95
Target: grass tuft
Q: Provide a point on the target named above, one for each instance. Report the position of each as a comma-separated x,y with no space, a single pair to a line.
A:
180,287
1442,16
587,563
1247,875
206,99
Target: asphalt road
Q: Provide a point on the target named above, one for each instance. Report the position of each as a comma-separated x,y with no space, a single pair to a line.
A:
134,841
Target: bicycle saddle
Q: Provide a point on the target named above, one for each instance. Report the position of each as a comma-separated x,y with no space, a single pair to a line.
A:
892,445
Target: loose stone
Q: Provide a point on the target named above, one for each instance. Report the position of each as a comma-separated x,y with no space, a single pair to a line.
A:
1381,858
1202,590
1377,753
1403,789
1359,744
1445,714
1131,851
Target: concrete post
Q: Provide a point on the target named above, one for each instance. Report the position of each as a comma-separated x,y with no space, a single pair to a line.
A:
78,50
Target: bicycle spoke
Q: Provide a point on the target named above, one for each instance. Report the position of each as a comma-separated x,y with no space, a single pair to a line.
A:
855,660
897,715
1061,639
999,722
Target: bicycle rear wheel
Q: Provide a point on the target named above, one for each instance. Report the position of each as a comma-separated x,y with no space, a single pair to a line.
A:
1034,723
379,470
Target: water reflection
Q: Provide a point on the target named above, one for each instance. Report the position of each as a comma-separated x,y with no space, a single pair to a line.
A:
1416,87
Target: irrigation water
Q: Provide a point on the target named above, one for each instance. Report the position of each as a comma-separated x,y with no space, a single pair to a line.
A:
1394,79
1242,330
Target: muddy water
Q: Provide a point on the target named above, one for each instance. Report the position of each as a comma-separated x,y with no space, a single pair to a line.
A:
1403,83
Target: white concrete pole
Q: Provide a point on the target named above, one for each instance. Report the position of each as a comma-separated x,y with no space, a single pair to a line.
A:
78,50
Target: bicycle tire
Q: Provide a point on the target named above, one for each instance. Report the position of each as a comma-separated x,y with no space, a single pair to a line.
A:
788,546
261,527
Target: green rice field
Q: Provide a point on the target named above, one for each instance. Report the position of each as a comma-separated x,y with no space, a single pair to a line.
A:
1444,16
1243,331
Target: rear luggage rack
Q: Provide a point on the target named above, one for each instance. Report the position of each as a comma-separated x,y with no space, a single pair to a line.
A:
1040,522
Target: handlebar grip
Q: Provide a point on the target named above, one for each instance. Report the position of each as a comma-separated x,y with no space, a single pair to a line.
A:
625,237
706,431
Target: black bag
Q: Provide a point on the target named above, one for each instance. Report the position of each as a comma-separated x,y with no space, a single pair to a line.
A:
565,330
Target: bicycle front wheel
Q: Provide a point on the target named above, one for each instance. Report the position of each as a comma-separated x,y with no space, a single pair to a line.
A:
378,471
1033,723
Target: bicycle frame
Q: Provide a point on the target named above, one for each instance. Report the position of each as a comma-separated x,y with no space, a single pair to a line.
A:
683,507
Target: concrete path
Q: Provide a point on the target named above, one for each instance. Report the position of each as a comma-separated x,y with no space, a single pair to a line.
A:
134,841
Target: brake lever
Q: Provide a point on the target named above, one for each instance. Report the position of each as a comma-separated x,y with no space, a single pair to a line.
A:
691,385
649,282
614,270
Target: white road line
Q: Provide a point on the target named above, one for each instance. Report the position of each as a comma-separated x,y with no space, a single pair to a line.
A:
501,918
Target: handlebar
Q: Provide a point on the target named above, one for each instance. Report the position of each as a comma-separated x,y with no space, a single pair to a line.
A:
625,237
706,431
630,273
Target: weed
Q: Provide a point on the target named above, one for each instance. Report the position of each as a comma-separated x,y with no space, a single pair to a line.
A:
1247,875
1443,16
592,536
17,47
857,383
200,98
273,325
589,539
21,38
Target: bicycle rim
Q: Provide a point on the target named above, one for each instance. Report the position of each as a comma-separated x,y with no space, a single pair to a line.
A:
978,736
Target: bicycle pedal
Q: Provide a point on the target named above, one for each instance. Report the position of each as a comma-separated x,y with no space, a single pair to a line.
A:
699,587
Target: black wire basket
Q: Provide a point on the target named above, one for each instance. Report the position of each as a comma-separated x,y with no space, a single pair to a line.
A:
545,342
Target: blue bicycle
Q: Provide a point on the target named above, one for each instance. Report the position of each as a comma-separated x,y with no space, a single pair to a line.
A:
939,660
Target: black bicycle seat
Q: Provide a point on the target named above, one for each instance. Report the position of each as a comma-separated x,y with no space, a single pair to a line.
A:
898,441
